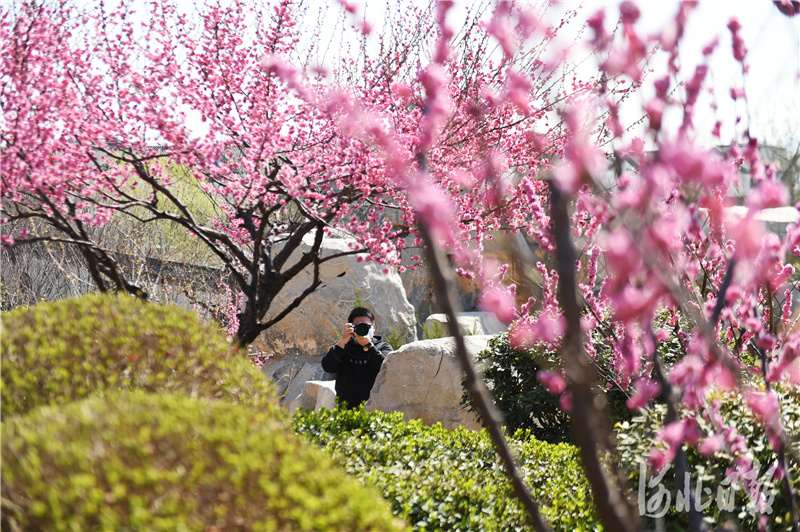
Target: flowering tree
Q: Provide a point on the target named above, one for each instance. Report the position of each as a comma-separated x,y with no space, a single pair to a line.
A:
87,94
459,133
96,104
670,252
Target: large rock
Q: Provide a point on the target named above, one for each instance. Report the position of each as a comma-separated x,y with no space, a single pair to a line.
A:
291,377
514,249
307,332
316,324
316,395
423,381
469,323
418,284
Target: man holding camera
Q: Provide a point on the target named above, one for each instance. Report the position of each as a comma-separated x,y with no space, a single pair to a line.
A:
356,358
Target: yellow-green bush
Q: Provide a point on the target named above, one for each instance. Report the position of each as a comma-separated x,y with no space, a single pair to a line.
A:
139,461
66,350
453,480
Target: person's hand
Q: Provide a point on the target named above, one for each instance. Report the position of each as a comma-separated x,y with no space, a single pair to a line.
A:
347,333
362,340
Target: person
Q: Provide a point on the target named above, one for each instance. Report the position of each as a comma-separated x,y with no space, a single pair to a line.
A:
356,358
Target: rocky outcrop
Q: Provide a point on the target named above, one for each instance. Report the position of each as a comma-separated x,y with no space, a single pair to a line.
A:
514,249
469,323
423,381
418,284
310,329
290,377
298,342
316,395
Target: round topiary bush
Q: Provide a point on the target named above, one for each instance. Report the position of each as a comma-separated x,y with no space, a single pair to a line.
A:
58,352
139,461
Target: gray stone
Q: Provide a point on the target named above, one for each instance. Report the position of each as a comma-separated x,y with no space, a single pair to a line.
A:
323,393
290,376
307,372
469,323
513,249
308,331
281,372
418,284
317,395
423,381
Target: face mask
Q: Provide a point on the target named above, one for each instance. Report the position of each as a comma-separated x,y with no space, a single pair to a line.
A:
371,332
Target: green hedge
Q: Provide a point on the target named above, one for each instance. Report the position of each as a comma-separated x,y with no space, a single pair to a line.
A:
438,479
58,352
636,438
524,402
167,462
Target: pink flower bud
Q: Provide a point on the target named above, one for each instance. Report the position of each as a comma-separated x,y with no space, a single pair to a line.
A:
739,48
646,390
552,381
713,444
764,405
500,302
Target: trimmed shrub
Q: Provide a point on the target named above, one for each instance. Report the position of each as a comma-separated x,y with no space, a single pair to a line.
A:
437,479
637,437
167,462
66,350
524,402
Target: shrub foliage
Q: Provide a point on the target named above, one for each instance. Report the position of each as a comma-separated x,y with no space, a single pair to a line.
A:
167,462
524,402
437,479
719,475
54,353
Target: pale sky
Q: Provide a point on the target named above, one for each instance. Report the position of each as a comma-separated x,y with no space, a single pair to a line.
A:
773,59
773,41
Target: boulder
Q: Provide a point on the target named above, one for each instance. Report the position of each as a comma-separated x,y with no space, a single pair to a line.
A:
423,381
418,284
299,373
316,395
469,323
299,341
310,329
514,249
290,376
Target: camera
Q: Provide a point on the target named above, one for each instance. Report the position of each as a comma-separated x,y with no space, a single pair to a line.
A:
361,329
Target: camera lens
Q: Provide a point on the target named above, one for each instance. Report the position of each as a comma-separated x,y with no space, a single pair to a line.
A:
361,329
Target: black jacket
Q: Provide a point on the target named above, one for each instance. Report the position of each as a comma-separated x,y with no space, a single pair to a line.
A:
355,368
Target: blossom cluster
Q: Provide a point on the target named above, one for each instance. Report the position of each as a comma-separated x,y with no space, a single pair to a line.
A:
470,133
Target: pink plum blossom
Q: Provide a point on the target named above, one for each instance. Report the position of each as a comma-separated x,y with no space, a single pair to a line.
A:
710,445
552,381
645,391
765,405
500,302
